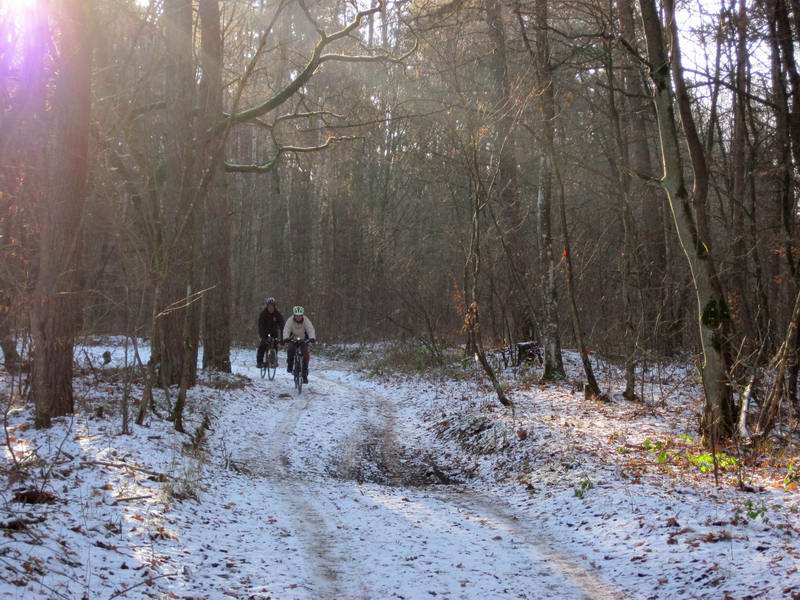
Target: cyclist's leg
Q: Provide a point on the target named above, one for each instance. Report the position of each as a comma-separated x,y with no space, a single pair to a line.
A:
290,351
262,348
306,358
275,348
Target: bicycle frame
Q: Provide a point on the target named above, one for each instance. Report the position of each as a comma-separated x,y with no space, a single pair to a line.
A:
270,358
301,348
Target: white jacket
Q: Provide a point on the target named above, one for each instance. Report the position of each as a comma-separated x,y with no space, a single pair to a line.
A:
299,330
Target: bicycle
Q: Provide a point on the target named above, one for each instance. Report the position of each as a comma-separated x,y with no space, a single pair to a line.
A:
301,346
270,365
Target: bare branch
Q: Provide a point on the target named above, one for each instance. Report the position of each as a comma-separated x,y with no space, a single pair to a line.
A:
385,57
273,162
318,58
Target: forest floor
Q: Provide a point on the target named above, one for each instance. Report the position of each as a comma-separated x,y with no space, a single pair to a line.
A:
378,484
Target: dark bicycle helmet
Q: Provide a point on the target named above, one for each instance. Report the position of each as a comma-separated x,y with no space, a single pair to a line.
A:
269,300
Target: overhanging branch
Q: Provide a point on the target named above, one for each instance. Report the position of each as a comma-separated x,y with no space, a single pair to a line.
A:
304,75
268,166
318,57
385,57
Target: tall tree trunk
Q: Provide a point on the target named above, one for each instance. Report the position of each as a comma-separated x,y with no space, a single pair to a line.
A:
217,239
553,363
689,213
472,323
646,204
787,144
786,38
146,403
630,259
771,407
177,193
55,312
505,183
592,390
741,279
8,344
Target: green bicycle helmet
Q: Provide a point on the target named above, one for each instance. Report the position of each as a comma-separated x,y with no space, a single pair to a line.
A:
298,311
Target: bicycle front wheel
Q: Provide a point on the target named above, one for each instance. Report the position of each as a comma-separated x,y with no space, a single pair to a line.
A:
272,363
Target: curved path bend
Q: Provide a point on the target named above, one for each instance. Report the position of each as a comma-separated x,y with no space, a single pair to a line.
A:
371,526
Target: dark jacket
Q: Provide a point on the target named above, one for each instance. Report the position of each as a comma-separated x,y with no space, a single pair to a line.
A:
270,324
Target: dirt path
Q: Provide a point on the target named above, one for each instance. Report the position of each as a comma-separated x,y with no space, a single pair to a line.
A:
376,520
271,464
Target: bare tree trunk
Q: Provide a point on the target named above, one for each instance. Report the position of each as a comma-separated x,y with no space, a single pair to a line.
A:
553,363
631,274
190,332
217,241
190,353
779,15
646,204
8,345
146,402
787,143
771,407
472,322
506,183
689,212
177,193
55,313
592,390
764,320
470,347
742,309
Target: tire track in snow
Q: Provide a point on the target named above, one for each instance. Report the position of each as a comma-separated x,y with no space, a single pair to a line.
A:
380,418
503,520
491,513
310,526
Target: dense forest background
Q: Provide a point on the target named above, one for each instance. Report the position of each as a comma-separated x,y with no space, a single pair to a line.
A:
614,176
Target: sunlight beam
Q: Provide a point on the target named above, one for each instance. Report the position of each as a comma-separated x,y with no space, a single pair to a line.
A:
16,8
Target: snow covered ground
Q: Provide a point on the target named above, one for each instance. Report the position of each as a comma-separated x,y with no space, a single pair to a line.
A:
392,487
612,485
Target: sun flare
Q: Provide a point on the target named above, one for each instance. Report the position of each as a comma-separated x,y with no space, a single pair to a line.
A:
16,6
17,17
16,10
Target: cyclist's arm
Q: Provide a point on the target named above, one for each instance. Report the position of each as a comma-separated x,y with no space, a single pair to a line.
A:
262,326
286,328
310,329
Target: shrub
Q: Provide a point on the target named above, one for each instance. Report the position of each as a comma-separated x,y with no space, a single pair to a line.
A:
584,485
704,461
792,479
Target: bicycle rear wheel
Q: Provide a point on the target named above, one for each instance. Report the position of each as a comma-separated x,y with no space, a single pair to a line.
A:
272,363
264,372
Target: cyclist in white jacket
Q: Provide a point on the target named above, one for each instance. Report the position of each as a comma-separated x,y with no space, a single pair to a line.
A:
298,333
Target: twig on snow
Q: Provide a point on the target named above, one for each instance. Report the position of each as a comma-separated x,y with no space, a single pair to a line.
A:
124,466
147,581
132,498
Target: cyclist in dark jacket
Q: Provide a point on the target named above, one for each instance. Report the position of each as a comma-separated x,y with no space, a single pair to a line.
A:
270,323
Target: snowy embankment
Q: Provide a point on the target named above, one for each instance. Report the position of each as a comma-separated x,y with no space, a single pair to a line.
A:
393,487
624,487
